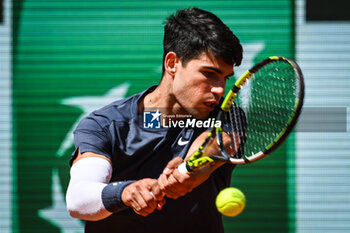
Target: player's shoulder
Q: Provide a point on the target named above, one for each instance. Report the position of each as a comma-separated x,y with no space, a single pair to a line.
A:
117,111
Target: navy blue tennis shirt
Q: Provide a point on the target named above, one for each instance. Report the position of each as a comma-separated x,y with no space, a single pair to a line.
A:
117,132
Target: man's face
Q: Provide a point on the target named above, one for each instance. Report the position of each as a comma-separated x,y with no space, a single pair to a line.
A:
199,85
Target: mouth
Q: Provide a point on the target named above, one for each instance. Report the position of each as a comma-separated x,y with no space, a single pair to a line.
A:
211,105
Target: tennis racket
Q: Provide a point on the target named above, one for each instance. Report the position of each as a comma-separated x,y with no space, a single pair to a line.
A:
257,114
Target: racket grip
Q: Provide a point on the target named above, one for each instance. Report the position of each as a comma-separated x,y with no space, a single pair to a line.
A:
182,168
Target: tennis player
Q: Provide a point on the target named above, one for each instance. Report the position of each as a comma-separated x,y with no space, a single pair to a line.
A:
124,175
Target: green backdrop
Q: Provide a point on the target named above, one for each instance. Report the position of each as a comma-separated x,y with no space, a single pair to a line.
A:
70,57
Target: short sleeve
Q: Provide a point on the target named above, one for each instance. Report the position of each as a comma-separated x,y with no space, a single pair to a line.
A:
90,136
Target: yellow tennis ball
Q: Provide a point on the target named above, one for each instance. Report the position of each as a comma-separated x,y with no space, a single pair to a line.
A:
230,202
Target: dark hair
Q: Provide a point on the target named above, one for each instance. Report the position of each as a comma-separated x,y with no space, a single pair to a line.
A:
192,31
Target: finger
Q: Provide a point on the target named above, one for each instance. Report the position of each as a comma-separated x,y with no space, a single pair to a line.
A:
139,198
151,202
174,189
134,203
231,142
164,186
173,195
160,204
174,163
162,182
145,211
183,181
157,192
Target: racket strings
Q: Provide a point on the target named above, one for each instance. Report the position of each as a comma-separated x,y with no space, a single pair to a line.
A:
235,127
272,93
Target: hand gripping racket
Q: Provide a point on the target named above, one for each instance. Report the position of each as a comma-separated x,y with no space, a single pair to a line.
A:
257,114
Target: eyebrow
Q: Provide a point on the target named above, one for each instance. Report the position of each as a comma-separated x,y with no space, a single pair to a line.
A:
217,70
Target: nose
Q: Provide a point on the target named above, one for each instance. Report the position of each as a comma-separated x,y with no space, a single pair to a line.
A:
218,90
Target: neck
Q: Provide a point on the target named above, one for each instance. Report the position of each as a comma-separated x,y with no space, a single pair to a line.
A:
162,99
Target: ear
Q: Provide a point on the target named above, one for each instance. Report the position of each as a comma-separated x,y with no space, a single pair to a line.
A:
170,63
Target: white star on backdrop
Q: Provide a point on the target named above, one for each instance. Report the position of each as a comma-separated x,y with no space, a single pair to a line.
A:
88,104
57,214
251,50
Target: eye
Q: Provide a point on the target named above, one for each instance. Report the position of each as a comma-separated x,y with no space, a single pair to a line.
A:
209,74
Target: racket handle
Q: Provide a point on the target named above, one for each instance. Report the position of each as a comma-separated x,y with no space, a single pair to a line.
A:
182,168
